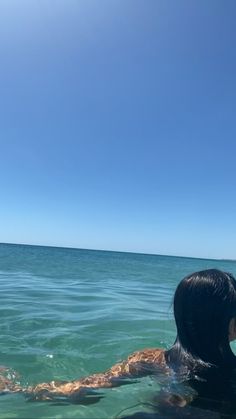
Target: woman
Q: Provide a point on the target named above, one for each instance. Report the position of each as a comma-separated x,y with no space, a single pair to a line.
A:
205,313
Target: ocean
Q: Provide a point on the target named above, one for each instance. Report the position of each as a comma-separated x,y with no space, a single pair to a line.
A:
67,313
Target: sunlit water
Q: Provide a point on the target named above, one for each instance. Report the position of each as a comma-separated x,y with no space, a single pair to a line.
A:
67,313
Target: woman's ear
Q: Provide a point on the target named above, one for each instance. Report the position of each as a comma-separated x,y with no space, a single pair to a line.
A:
232,329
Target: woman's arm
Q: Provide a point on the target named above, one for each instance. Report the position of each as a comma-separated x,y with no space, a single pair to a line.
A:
138,364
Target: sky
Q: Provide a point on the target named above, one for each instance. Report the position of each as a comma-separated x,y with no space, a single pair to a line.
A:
117,125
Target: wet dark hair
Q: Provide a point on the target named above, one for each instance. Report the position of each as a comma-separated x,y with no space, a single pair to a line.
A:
204,304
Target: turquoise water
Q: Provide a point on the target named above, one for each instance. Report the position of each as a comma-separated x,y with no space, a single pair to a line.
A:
67,313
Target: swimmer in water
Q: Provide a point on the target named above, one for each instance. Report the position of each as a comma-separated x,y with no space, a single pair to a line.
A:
205,316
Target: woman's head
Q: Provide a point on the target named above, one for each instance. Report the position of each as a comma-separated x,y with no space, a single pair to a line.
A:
204,309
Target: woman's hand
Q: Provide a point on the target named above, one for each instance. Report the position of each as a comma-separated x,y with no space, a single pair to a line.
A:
7,384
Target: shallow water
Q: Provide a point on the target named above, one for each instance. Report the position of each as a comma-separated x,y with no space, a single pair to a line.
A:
67,313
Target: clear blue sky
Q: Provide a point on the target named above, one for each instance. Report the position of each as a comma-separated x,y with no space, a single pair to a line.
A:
118,125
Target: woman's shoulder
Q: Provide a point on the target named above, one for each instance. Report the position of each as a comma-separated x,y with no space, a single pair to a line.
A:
148,355
143,362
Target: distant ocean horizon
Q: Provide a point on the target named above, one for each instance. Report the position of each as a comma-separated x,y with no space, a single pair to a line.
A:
66,313
117,251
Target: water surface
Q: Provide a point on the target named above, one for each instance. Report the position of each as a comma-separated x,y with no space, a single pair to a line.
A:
67,313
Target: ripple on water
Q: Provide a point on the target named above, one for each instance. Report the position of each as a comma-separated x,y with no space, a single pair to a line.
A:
66,313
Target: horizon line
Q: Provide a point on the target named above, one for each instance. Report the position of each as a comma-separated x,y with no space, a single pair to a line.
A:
115,251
